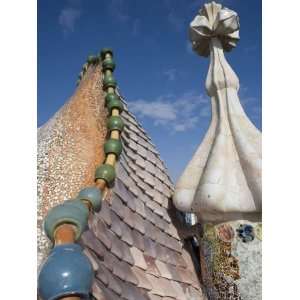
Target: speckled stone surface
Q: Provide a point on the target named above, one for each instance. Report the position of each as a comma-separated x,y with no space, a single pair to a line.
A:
70,145
134,243
230,265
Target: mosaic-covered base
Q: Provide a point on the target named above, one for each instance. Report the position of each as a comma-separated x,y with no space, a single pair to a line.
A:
230,256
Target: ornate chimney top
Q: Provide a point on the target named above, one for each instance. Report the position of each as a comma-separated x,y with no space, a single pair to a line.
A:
222,182
214,21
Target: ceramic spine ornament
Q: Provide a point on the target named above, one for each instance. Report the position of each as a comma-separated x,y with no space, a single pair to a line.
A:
222,182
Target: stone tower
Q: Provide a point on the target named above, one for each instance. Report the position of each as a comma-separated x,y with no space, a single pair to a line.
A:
222,182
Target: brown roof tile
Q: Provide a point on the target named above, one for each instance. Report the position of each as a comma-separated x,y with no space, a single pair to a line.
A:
124,272
91,241
121,191
158,197
166,203
138,223
134,128
161,176
149,214
143,142
150,193
140,162
128,216
151,266
180,260
150,204
117,247
166,216
104,213
133,146
158,209
150,230
178,289
165,255
127,254
150,167
91,258
140,207
131,292
158,286
134,190
138,240
109,261
133,136
102,274
185,275
154,297
161,223
131,154
150,247
116,225
101,232
163,269
98,291
143,282
117,205
174,272
195,294
168,289
142,151
166,191
138,257
114,283
149,179
158,185
126,234
161,237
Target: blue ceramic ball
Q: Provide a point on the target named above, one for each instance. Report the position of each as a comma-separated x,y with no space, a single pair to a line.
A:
66,272
93,195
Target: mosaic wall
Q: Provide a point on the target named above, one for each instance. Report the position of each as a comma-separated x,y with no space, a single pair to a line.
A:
230,256
69,149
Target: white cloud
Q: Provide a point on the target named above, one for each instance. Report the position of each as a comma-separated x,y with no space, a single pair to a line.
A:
68,17
175,113
156,110
205,111
187,124
171,74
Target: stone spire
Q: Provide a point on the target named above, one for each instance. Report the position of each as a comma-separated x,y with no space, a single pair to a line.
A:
222,182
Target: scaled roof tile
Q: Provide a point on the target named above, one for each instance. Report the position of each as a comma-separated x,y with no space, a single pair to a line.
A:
138,257
150,247
103,234
138,240
151,266
104,213
143,282
116,226
133,241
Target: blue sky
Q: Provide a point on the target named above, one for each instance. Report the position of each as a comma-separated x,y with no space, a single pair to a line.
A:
159,76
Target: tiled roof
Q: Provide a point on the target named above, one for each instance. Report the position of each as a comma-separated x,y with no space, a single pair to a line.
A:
133,242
